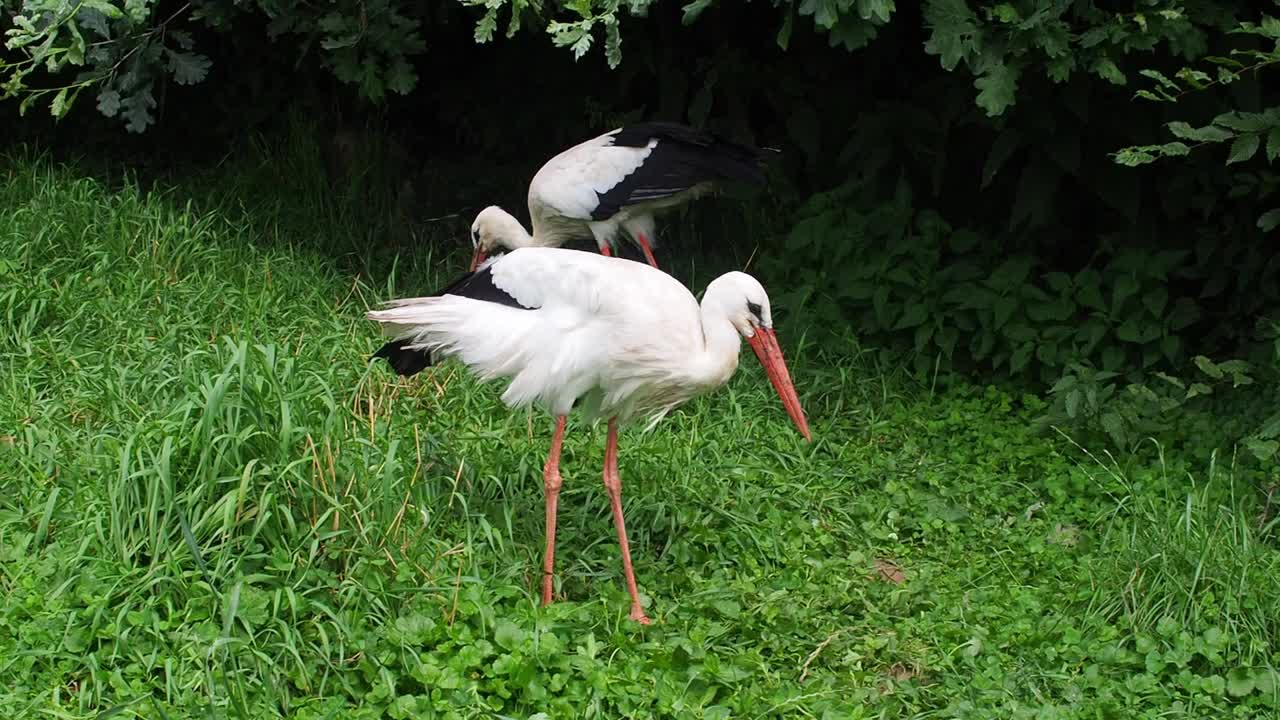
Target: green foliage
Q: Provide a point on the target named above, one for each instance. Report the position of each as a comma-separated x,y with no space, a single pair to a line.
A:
907,280
1092,403
124,51
366,43
119,49
998,42
1247,132
849,24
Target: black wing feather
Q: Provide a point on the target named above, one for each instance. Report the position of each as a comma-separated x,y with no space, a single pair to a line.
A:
683,158
404,361
476,285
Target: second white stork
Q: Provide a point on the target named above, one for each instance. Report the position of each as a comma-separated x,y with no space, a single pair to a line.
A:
616,339
613,185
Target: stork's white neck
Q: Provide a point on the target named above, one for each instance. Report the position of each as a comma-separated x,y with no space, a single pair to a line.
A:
722,340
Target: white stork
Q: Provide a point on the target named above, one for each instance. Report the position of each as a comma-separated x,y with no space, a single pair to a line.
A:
617,339
616,183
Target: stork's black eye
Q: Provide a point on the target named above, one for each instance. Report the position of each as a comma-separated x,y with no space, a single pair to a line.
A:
754,309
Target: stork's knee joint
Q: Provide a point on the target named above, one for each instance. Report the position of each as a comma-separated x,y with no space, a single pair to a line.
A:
551,481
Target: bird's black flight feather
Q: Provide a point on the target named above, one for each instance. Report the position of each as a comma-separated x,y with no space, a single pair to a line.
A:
404,361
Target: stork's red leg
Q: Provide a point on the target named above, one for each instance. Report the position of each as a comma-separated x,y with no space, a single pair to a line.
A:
551,484
613,484
605,251
648,251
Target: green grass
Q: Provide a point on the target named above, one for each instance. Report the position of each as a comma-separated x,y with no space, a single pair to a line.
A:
212,506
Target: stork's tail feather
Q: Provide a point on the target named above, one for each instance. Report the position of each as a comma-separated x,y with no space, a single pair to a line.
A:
722,159
741,163
404,360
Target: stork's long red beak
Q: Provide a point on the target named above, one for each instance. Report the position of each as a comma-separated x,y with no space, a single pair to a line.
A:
477,258
765,345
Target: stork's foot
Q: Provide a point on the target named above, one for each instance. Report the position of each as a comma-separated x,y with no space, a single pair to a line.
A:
638,615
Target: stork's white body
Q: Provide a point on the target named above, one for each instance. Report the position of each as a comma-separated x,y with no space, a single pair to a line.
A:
618,338
565,193
614,184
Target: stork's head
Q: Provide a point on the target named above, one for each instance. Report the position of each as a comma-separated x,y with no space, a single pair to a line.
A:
743,301
494,229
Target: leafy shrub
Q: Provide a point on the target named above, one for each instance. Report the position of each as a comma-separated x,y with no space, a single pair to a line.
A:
1173,409
1128,410
907,280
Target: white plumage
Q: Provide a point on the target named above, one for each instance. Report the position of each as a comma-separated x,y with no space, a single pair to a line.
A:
638,352
613,184
615,338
